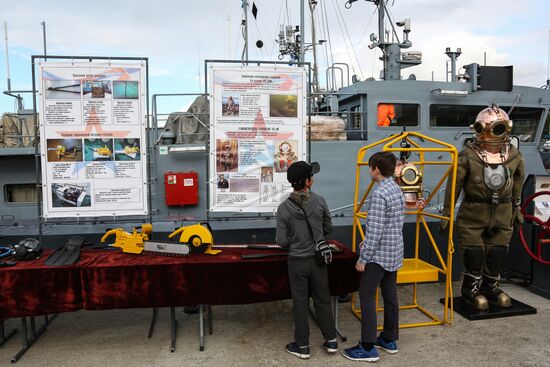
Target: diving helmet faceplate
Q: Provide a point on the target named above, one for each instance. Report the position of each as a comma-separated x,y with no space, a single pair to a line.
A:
492,125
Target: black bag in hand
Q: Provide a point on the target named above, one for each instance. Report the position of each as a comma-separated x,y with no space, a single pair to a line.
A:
323,253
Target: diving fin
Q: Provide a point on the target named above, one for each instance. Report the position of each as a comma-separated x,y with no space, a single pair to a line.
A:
67,254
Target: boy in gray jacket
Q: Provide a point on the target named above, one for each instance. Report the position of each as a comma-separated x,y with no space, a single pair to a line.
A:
304,274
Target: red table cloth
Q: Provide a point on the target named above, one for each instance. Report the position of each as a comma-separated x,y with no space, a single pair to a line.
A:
112,280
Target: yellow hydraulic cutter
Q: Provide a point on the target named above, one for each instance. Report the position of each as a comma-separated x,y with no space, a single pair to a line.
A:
198,237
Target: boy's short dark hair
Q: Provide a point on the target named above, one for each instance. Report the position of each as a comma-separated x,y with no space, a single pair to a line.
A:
384,161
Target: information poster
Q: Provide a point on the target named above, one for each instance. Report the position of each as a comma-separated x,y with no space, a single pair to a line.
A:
92,139
257,130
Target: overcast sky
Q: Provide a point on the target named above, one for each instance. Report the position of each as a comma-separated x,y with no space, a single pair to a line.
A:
178,35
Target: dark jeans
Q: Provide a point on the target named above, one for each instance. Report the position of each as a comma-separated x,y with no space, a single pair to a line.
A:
374,276
306,278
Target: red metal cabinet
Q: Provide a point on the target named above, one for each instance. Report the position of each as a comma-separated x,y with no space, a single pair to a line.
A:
181,188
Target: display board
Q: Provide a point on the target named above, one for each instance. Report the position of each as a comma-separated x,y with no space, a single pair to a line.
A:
257,129
92,139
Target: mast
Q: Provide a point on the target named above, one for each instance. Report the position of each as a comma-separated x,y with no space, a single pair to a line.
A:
302,51
314,43
392,57
43,24
7,56
8,92
453,55
547,86
245,30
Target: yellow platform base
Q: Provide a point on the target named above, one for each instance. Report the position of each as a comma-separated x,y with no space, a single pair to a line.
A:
417,271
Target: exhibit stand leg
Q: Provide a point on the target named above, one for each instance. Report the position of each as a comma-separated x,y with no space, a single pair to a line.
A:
335,311
3,337
153,323
201,324
35,334
173,327
209,319
201,328
334,304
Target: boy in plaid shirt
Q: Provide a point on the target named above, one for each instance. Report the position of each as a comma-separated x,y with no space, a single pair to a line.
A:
381,255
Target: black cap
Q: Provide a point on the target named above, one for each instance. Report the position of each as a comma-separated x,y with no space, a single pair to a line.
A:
300,171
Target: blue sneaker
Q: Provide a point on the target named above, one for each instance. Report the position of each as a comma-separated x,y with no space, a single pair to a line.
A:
295,350
390,347
330,346
358,353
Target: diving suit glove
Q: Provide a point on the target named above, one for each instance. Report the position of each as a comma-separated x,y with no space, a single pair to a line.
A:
517,218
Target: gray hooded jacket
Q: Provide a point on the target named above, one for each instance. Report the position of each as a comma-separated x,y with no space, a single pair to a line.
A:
292,231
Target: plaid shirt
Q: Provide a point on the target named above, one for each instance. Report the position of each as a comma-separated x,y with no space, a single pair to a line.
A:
383,242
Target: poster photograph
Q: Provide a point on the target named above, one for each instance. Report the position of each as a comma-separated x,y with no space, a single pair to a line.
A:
230,105
98,149
127,149
93,123
95,89
227,157
258,119
223,181
283,105
64,150
267,174
71,194
62,89
285,154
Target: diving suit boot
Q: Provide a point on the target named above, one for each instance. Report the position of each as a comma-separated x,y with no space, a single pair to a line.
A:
472,258
493,263
495,295
471,293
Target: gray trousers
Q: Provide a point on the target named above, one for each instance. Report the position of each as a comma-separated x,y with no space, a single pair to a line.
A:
374,276
306,278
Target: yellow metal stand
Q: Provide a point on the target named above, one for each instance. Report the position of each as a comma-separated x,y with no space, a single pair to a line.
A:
415,270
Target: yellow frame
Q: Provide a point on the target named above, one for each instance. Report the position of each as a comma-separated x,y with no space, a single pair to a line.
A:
415,270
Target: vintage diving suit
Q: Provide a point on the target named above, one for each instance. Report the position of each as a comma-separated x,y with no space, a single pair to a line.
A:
491,173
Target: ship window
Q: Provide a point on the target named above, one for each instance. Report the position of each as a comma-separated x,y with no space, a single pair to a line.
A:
20,193
398,114
546,132
526,122
525,119
354,123
453,115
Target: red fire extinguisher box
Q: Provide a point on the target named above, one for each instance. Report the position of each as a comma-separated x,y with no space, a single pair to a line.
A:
181,188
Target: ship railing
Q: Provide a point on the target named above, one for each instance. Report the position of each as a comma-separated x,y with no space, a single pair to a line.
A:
169,131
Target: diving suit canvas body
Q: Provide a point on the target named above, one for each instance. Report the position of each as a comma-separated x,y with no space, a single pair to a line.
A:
479,222
491,173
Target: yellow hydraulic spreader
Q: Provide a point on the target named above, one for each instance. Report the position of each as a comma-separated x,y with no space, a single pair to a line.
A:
131,243
425,153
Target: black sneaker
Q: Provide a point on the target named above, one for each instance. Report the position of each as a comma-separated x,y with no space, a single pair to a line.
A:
330,346
295,350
